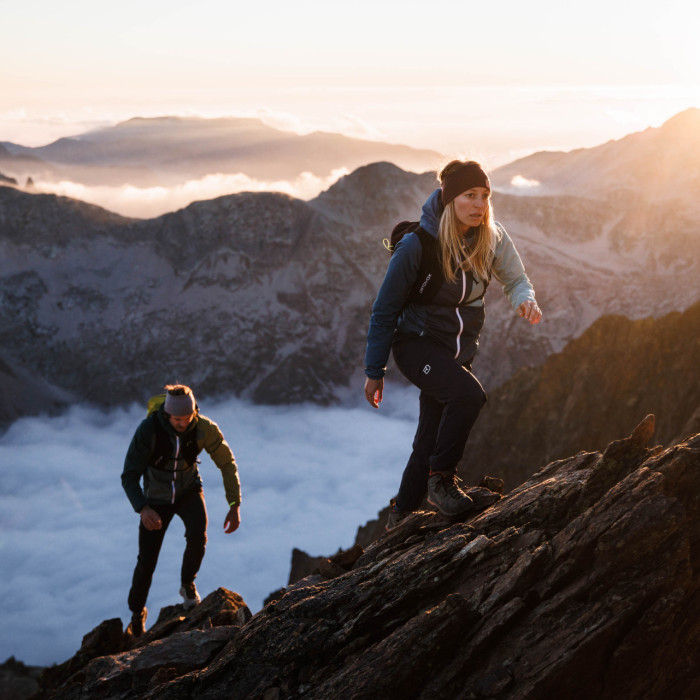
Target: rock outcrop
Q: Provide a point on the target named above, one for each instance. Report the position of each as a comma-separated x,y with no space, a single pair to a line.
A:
112,663
581,583
18,681
590,392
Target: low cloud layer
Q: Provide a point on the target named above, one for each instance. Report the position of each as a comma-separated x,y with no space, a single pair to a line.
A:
148,202
68,537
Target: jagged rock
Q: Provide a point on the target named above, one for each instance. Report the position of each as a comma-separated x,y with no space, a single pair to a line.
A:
583,582
302,565
18,681
181,641
566,588
220,608
107,638
493,483
591,392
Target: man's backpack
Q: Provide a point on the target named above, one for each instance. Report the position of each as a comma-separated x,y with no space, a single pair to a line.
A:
154,403
430,275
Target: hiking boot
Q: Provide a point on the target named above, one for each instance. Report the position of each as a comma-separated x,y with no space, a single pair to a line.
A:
395,515
189,594
446,496
137,625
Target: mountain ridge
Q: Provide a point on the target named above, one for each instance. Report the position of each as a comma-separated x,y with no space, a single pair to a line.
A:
581,583
178,149
659,162
288,285
592,390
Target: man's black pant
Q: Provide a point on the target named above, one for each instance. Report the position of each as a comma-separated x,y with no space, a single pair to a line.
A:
450,400
193,513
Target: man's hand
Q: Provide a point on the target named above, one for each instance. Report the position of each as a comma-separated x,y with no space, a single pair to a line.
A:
529,310
233,519
374,389
150,519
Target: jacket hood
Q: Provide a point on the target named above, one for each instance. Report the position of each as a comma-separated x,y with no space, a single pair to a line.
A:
432,211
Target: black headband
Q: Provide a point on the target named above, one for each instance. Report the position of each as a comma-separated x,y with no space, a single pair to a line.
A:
462,179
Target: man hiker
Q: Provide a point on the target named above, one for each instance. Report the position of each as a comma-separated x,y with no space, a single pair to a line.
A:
164,453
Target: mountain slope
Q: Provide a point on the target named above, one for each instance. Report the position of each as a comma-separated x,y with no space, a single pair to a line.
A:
659,163
269,297
596,388
582,583
170,150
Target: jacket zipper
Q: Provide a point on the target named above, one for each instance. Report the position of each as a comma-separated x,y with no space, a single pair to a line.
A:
177,454
459,318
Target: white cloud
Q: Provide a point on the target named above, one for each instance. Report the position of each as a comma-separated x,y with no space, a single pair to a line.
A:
147,202
68,536
522,183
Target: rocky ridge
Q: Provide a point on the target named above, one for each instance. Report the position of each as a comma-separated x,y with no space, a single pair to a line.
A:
659,165
269,297
582,582
590,392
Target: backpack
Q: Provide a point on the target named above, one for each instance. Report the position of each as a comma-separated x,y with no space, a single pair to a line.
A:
162,448
430,275
154,403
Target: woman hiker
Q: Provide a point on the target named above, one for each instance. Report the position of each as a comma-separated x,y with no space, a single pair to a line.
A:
434,339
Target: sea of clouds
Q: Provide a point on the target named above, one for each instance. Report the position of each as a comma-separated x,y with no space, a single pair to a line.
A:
68,535
149,202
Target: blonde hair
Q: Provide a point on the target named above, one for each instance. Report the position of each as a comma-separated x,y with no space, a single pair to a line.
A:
454,255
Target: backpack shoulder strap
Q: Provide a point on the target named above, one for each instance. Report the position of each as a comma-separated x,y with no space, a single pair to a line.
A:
430,275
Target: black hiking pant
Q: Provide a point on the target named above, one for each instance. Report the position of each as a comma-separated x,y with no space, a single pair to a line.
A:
450,400
193,512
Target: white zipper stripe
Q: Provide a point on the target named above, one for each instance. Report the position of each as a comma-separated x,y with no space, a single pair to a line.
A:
177,454
459,318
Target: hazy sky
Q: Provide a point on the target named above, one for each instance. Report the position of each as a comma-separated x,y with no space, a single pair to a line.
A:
495,78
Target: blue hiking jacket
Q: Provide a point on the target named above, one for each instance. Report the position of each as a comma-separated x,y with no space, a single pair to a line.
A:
455,315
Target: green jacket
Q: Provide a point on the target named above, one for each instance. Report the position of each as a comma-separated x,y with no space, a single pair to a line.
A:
168,482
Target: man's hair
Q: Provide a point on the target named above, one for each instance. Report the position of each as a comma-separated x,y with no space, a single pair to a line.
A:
177,389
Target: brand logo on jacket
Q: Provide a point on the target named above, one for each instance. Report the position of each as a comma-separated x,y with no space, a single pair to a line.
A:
423,286
426,369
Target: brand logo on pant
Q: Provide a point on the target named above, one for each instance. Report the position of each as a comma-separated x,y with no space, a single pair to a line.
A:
426,369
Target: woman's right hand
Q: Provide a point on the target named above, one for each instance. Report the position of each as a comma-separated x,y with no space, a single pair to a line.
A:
374,388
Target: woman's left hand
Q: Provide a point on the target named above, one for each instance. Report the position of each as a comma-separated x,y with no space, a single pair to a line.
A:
529,310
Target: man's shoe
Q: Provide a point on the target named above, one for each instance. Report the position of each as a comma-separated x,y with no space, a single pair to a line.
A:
446,496
395,515
189,594
138,623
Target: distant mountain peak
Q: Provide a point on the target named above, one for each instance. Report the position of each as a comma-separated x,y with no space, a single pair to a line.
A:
686,121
